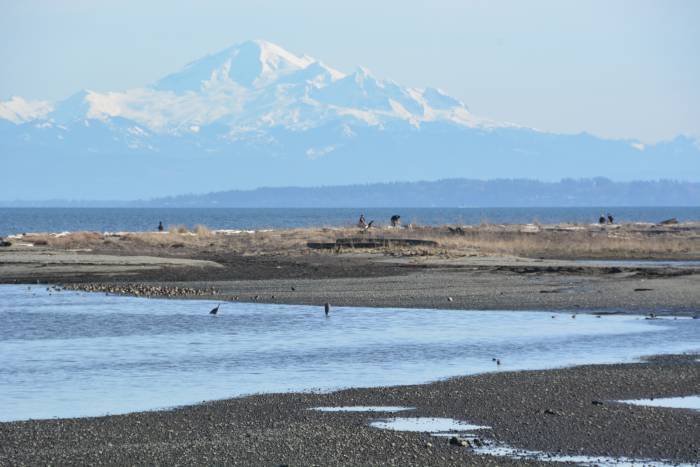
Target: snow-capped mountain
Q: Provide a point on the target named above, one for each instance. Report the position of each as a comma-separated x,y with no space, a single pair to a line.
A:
249,87
255,114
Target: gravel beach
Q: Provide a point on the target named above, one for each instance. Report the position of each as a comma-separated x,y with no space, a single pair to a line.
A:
566,411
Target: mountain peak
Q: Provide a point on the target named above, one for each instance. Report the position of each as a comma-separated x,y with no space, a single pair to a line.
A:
257,114
255,85
273,55
250,64
73,108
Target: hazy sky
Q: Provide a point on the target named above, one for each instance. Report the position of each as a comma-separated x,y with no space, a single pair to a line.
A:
627,69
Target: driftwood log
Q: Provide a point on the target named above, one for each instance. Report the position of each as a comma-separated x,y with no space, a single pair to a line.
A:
367,243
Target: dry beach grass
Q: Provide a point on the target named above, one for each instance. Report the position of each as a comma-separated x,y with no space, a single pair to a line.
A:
518,267
565,241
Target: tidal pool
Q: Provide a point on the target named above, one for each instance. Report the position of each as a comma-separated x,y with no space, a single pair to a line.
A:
448,427
364,408
493,449
71,354
434,425
641,262
688,402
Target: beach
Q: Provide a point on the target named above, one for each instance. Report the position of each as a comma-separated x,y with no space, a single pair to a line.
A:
633,268
568,411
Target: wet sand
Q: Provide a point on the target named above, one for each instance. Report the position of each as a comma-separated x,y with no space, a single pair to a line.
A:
366,279
566,411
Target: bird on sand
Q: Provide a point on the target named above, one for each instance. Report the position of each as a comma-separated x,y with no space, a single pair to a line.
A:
214,310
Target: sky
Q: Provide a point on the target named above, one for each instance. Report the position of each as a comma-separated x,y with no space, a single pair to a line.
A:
616,69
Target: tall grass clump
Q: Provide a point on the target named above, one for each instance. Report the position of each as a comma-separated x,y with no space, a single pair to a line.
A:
203,231
177,229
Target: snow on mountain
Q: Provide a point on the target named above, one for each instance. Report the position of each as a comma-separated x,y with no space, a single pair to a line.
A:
250,86
17,110
257,115
253,64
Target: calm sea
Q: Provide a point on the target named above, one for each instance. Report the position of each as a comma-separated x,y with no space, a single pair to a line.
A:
19,220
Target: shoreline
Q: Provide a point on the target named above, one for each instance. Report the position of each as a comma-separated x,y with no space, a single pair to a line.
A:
279,428
546,410
428,290
510,267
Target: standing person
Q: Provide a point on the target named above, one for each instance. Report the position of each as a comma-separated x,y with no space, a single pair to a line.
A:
610,218
362,223
160,226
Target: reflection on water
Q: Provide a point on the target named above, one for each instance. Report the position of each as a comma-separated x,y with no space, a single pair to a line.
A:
77,354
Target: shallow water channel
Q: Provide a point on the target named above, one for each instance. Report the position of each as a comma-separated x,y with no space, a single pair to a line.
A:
640,263
66,354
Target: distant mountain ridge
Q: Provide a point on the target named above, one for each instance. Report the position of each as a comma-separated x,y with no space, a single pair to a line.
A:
256,115
441,193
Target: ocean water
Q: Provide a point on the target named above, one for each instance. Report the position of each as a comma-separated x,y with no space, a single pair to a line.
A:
66,354
19,220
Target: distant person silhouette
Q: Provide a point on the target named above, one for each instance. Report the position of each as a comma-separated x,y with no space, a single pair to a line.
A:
160,226
362,223
601,220
610,218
